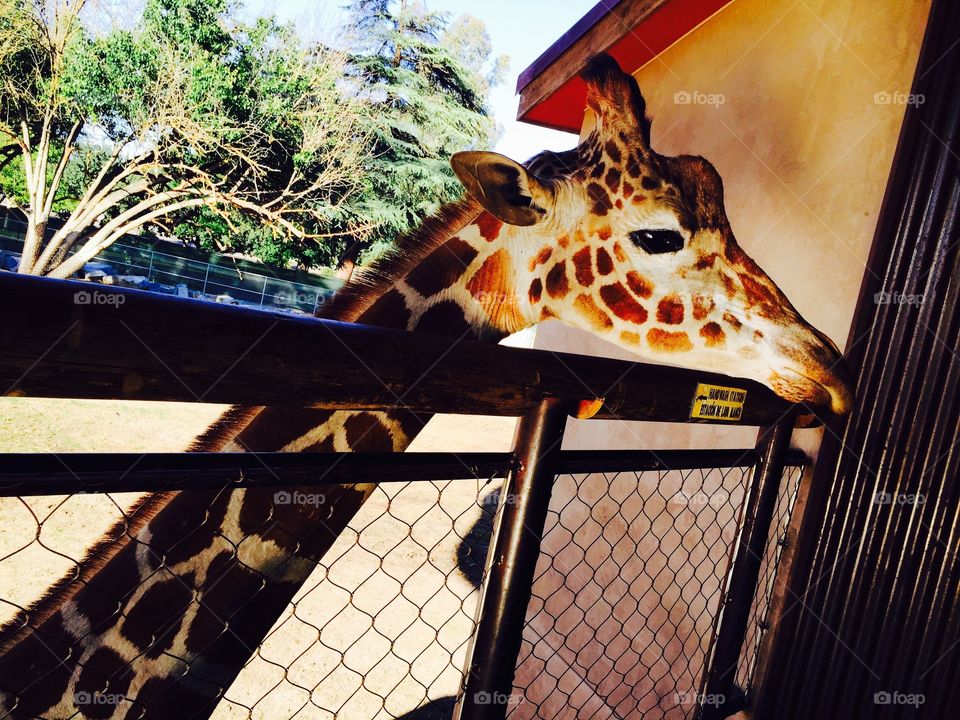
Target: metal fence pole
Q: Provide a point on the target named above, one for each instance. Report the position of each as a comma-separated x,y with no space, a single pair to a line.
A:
514,549
722,697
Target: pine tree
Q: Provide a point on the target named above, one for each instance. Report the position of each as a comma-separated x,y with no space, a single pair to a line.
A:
430,92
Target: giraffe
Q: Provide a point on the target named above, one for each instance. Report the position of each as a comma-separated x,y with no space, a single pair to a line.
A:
610,236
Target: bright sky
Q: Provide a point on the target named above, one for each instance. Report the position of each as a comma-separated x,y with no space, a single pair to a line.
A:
522,29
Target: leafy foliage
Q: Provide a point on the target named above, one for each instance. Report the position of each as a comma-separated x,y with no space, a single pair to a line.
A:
426,81
231,136
188,116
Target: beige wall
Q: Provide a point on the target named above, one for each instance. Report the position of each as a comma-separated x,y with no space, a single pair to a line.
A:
804,144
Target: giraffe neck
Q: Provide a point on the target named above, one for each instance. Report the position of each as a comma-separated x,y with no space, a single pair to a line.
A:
463,277
169,606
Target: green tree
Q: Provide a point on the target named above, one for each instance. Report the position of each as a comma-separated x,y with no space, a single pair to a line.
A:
191,120
428,83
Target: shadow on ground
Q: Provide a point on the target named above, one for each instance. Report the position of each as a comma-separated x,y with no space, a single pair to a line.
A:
472,550
441,709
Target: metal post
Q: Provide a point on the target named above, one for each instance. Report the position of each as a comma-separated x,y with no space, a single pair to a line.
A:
722,698
514,549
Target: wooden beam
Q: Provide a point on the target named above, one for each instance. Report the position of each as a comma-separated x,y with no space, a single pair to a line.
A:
80,340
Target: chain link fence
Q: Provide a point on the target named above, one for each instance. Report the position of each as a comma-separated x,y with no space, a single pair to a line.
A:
623,612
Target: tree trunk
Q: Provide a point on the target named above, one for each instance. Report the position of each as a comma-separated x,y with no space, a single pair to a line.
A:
32,242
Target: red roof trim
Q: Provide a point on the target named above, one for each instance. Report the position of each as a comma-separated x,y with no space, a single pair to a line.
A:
564,108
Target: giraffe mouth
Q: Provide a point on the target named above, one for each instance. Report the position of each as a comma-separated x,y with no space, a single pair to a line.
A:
828,386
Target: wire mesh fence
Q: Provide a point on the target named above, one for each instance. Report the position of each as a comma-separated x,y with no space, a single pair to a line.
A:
620,624
759,622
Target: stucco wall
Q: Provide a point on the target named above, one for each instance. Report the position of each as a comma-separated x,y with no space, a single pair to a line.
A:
799,106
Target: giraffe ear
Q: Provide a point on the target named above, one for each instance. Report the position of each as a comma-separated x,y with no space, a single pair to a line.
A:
505,188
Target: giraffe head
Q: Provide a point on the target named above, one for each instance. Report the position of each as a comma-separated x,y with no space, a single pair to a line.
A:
635,247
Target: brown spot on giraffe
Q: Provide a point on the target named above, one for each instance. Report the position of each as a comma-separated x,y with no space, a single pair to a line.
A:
366,433
613,151
489,226
759,295
619,204
630,338
622,304
637,199
535,291
705,260
613,179
444,318
666,341
702,306
713,334
541,257
98,605
492,287
670,310
627,190
547,314
182,534
563,241
633,166
732,321
104,673
155,619
582,265
649,183
390,310
600,198
639,284
594,315
557,284
598,171
604,233
441,268
729,286
618,253
604,263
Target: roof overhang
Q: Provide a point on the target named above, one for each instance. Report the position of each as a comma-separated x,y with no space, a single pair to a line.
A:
632,31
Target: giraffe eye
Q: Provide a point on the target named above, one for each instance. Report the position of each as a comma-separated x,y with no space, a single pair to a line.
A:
657,241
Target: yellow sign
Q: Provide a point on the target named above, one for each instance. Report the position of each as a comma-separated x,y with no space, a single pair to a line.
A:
715,402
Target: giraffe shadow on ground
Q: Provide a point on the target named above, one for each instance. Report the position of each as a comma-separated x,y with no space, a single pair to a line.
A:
471,561
441,709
